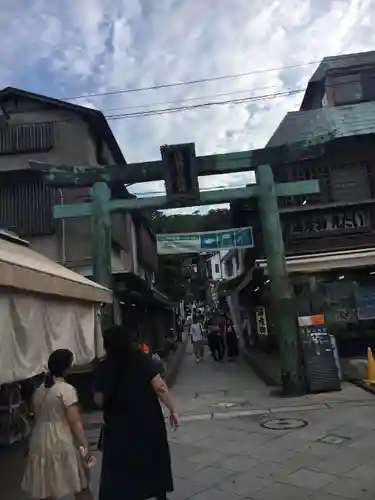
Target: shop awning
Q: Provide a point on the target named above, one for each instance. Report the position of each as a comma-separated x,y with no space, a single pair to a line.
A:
24,269
327,261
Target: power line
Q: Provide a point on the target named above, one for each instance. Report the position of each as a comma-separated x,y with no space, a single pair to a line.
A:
187,99
191,82
154,112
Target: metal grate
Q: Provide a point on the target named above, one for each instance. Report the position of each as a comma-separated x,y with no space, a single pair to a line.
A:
26,208
26,138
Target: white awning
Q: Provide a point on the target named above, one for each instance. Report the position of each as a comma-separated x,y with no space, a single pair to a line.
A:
24,269
320,262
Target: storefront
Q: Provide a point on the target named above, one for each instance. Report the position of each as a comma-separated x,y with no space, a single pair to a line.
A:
340,285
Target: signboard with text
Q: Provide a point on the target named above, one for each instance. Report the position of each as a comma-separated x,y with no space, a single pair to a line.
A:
180,172
211,241
320,224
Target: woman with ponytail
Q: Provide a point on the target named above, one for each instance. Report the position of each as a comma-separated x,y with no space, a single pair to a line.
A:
59,453
136,460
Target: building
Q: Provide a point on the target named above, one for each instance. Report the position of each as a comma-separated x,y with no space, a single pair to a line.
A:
225,265
36,127
329,237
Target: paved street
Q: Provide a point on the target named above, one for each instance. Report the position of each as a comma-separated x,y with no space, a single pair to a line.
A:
224,449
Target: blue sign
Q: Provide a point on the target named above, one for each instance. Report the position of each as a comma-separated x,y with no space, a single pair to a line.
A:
212,241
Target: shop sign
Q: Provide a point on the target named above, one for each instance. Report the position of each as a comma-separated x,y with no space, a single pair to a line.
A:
320,223
180,172
260,314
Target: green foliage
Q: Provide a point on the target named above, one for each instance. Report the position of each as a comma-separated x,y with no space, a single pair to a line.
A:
173,272
188,223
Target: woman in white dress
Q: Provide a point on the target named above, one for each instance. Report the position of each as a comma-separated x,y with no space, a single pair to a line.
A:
55,467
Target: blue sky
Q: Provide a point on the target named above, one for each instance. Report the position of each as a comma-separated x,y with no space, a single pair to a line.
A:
74,47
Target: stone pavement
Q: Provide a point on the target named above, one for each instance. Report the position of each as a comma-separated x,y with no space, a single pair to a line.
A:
224,449
214,387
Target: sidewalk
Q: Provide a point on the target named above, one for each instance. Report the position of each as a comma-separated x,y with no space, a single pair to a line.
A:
224,450
210,388
228,453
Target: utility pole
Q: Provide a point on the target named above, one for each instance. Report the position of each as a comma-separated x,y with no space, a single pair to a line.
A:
282,296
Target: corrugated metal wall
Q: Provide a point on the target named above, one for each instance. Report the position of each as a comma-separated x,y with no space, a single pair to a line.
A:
26,208
26,138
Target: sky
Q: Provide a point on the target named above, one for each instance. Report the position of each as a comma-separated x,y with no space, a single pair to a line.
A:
71,48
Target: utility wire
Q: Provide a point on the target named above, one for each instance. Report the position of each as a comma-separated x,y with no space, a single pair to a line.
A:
191,82
187,99
154,112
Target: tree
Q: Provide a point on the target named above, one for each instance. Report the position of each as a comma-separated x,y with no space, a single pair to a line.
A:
190,223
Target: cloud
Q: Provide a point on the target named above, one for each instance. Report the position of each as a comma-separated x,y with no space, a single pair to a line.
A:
71,48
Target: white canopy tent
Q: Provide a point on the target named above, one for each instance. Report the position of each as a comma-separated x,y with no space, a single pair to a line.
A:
44,306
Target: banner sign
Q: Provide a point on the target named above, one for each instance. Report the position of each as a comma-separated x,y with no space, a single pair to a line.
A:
212,241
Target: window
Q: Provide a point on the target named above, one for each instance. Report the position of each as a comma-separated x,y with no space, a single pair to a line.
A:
345,89
27,138
237,260
229,268
368,85
217,269
349,182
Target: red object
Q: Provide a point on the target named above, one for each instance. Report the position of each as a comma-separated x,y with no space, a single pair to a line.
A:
145,348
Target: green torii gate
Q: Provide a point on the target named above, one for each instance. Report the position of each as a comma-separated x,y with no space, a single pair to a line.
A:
182,190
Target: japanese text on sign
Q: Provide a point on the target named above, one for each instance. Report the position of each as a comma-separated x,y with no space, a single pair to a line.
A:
260,314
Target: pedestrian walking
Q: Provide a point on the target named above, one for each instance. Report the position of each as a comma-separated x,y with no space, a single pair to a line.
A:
197,338
222,329
136,459
231,339
215,342
55,465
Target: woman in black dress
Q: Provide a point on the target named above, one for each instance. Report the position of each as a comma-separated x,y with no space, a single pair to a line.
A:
231,339
136,460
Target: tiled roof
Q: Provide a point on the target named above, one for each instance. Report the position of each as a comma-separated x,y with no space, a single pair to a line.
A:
330,123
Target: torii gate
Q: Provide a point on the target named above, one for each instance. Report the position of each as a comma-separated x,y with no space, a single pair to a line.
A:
179,168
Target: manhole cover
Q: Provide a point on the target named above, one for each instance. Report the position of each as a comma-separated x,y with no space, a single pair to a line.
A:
333,439
280,424
224,405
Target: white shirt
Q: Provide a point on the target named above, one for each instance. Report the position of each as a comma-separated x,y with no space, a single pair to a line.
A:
196,332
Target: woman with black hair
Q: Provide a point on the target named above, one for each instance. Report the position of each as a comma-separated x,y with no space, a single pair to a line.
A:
55,464
136,460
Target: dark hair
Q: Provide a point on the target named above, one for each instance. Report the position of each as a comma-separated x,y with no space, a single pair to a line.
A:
58,363
117,343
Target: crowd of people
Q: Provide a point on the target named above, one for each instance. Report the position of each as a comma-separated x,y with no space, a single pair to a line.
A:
214,328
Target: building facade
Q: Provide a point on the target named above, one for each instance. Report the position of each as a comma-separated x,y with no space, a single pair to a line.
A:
329,237
35,127
225,265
